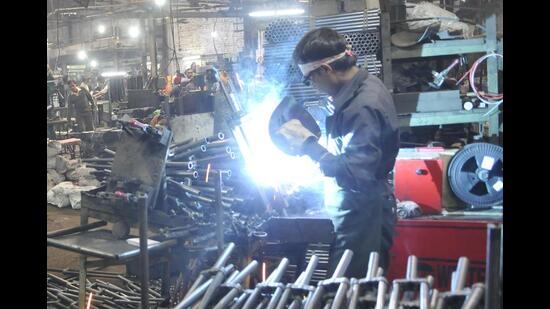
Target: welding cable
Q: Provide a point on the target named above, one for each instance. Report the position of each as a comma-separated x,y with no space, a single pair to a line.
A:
484,97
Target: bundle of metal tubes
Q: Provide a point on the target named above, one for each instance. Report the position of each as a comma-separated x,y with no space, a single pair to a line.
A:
63,292
223,287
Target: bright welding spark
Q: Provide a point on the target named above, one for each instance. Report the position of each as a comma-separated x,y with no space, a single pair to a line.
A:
265,163
263,271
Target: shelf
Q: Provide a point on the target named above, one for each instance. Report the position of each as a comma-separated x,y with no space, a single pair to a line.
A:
440,118
441,48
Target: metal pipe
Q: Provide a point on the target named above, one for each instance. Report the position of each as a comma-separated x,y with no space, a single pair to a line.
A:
340,297
473,300
144,253
434,297
98,166
412,267
249,269
226,300
219,211
240,301
185,142
222,259
424,296
109,151
194,296
212,288
218,137
183,187
228,156
184,153
343,264
373,265
76,229
98,160
193,174
394,296
275,276
381,294
461,274
185,164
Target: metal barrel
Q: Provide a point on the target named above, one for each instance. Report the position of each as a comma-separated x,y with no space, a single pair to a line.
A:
412,267
461,274
373,265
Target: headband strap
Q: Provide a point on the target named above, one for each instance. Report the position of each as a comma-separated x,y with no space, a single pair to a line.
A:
309,67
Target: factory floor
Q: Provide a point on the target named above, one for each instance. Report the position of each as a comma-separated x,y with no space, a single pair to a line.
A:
61,218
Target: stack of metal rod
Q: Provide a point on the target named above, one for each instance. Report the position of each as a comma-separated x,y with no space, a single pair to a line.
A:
63,292
226,288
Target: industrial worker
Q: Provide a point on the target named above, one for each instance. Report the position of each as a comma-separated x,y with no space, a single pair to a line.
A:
362,144
81,104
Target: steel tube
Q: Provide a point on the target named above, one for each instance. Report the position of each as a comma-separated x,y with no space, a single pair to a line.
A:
227,299
381,294
185,164
97,160
183,187
109,151
193,174
144,254
424,297
240,301
212,288
461,274
185,142
249,269
394,296
343,264
340,297
373,265
194,296
473,300
76,229
219,212
412,267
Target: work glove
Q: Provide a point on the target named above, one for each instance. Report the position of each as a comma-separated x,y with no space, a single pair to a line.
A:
295,133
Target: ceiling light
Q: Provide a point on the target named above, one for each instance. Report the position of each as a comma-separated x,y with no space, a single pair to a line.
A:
93,63
82,55
113,74
101,29
160,3
133,31
214,34
268,13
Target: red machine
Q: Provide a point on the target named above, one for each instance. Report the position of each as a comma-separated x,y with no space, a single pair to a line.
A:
438,243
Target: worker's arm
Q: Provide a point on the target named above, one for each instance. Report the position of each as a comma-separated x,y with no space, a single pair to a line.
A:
90,98
356,166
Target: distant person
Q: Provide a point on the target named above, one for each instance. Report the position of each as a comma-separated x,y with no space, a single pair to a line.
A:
194,67
85,84
82,104
178,78
188,80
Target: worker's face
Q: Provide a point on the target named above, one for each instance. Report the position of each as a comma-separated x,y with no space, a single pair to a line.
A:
323,79
189,74
74,88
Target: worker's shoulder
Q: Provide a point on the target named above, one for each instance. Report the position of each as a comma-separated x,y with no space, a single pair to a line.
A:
372,94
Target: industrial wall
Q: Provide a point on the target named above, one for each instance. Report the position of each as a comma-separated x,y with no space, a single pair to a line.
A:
194,37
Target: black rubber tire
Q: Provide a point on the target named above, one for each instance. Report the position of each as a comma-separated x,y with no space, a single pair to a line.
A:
463,182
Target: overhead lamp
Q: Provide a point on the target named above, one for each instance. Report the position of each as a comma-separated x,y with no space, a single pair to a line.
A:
189,58
214,34
113,74
82,55
269,13
93,63
133,31
160,3
101,29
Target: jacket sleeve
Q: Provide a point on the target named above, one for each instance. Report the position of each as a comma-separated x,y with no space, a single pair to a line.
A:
356,166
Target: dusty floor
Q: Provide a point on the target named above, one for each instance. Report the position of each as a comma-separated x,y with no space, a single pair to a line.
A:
60,218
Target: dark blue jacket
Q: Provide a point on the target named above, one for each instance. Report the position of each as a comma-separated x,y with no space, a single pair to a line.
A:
365,130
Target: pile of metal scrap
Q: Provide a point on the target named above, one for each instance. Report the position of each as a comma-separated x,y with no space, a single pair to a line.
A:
223,286
63,292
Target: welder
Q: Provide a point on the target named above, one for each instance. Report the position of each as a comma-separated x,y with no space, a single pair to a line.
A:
361,146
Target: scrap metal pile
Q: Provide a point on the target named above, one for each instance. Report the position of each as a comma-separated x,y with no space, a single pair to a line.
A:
63,292
222,286
188,190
